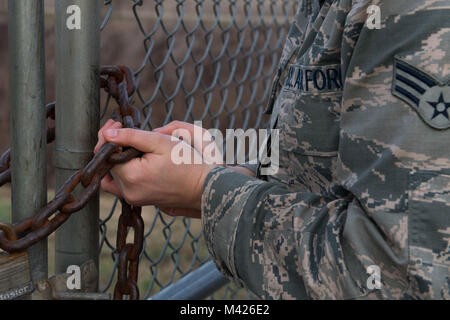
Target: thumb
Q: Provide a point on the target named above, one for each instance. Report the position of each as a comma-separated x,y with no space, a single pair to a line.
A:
144,141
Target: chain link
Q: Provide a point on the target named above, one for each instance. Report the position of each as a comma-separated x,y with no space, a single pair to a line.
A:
200,60
128,267
210,61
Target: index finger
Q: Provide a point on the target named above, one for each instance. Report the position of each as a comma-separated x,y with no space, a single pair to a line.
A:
145,141
101,139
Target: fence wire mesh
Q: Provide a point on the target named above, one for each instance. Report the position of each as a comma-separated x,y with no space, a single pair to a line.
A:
208,60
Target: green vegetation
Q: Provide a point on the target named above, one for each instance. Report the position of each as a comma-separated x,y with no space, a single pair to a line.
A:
5,205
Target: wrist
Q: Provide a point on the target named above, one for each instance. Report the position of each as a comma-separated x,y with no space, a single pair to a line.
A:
203,171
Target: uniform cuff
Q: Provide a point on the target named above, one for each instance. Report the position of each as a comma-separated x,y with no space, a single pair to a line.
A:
225,193
251,167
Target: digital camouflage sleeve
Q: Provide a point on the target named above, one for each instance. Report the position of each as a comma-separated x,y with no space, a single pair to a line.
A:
364,180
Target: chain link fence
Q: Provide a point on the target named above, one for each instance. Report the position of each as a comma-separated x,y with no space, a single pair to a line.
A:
208,60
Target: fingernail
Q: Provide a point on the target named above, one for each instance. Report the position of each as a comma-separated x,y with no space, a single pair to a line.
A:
111,133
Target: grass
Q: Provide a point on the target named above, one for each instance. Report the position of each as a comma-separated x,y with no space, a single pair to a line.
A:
5,204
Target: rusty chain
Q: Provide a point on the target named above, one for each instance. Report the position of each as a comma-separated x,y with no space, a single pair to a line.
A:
5,159
118,81
129,253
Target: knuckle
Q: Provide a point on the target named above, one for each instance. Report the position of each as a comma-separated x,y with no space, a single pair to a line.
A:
131,177
158,138
126,134
177,124
129,197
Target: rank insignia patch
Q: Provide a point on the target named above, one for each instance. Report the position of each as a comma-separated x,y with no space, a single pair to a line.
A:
424,93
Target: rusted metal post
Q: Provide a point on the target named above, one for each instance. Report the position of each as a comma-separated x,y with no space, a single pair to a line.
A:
77,121
28,138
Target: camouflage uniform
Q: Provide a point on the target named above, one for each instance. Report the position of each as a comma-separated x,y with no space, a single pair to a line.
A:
364,179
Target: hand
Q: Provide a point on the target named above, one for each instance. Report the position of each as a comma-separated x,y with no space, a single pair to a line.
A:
154,179
186,132
204,145
199,138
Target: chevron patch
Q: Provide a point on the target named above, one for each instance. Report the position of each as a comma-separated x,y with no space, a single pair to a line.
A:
427,95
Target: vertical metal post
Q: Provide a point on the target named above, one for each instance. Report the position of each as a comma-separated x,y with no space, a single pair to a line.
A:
28,138
77,121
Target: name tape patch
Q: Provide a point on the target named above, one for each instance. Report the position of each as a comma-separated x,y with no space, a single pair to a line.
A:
313,79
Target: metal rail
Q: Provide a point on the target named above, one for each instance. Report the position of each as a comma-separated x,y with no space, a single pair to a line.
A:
77,123
198,284
27,89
